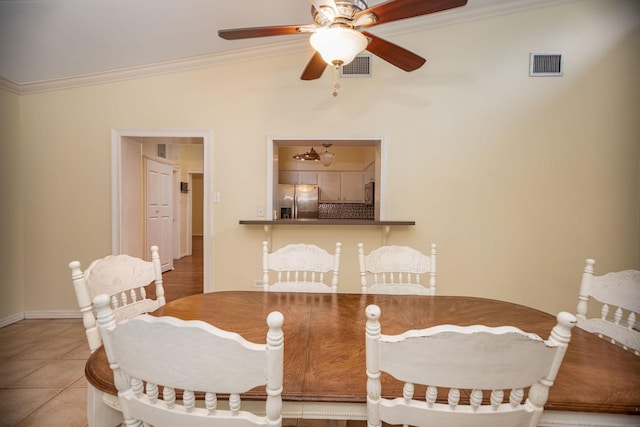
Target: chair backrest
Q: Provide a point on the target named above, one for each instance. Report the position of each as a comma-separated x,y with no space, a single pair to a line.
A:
148,352
300,267
397,270
619,294
123,278
465,371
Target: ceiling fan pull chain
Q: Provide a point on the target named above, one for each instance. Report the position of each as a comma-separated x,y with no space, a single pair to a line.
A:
336,80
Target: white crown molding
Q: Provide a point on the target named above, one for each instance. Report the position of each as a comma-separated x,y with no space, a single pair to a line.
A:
472,12
477,11
10,86
204,61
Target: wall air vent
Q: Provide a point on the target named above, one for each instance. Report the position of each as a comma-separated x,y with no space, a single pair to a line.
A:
546,64
359,67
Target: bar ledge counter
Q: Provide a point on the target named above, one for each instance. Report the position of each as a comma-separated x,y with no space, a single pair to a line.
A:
385,225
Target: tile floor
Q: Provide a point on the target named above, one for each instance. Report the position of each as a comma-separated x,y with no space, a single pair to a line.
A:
42,380
42,373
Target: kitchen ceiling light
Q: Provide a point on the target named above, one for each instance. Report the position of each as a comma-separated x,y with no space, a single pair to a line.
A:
327,156
309,155
338,45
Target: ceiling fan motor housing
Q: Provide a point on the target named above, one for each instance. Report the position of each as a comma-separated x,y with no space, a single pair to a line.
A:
345,13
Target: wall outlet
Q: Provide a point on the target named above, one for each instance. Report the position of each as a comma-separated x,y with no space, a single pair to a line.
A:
257,284
260,211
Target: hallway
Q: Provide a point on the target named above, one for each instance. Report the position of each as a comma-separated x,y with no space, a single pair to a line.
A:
186,278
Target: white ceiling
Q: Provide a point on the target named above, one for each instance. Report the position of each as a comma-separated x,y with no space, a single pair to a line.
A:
51,40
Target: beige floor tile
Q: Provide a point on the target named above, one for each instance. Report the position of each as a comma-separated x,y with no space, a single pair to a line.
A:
16,404
73,320
48,328
12,371
51,348
56,373
81,382
68,408
77,329
10,346
80,352
11,330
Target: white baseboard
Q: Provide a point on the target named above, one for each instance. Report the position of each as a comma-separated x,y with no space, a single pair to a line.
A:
53,314
11,319
45,314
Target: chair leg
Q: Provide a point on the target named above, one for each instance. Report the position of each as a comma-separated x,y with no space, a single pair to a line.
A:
99,414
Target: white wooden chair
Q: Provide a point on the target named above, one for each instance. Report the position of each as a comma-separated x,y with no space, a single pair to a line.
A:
475,361
148,352
619,294
300,267
397,270
123,278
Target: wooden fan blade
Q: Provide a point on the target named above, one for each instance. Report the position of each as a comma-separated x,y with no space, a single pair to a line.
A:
315,67
252,32
394,10
394,54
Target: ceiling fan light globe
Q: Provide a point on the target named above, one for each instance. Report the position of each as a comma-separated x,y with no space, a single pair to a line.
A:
338,45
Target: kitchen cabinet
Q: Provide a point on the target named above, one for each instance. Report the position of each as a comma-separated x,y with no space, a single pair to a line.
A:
352,187
370,173
297,177
329,184
341,187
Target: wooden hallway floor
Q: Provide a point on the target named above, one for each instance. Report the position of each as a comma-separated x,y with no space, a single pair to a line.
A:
186,278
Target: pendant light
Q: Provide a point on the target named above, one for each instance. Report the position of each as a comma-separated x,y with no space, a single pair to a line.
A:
326,157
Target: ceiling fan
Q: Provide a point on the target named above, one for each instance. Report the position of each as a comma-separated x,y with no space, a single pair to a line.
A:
337,32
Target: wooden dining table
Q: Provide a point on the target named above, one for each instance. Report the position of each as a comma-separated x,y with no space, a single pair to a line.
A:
324,365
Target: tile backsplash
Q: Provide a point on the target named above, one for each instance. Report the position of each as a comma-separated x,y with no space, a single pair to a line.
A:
345,211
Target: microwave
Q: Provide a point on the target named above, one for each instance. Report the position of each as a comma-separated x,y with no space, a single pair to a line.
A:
369,193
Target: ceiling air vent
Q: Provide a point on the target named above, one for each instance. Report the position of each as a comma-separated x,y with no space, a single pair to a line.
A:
359,67
546,64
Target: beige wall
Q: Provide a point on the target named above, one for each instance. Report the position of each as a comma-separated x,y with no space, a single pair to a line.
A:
517,179
11,211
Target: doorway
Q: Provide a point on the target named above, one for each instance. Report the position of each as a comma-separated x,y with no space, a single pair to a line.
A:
127,234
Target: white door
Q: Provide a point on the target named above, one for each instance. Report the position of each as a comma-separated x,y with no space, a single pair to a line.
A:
159,210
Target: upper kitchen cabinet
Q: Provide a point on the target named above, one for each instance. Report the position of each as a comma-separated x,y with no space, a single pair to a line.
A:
297,177
341,187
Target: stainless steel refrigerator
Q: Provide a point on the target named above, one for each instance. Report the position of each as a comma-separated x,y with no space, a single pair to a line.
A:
298,201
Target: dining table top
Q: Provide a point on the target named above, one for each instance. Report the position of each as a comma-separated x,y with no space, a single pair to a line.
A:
324,344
